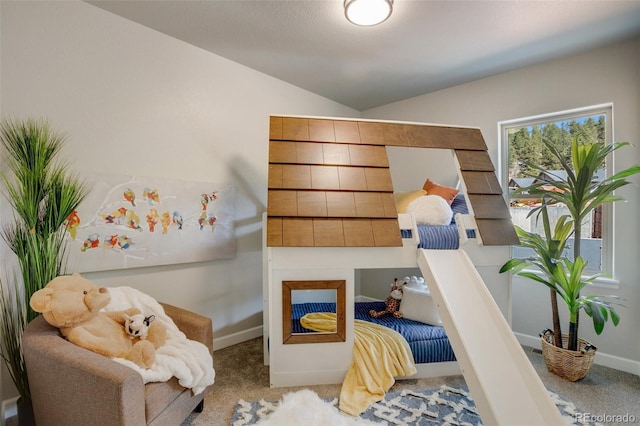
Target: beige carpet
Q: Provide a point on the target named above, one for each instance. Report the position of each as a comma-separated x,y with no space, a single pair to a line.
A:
241,374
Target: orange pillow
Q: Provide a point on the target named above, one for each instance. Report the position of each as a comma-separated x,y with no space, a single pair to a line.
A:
445,192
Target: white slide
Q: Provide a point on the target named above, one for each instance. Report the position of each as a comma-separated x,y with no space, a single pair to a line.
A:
505,386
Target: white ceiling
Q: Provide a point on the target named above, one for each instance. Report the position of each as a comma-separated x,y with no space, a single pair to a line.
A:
424,46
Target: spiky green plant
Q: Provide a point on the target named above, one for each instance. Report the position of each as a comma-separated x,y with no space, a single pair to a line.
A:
13,316
580,192
42,192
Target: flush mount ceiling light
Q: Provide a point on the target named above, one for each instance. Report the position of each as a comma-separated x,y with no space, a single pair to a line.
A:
367,12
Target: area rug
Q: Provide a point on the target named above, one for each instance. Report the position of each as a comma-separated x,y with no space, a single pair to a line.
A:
446,405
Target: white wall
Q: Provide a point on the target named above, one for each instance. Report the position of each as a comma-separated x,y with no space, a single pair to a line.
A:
599,76
135,101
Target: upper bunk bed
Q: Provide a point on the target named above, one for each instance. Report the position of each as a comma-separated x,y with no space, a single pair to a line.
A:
329,183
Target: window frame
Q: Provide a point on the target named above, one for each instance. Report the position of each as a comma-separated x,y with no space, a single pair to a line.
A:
607,251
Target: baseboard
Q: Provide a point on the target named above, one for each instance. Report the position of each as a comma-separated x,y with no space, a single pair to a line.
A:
604,359
235,338
9,409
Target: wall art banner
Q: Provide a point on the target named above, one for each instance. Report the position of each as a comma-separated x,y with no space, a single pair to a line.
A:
133,221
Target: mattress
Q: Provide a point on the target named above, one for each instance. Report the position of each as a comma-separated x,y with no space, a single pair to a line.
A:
428,343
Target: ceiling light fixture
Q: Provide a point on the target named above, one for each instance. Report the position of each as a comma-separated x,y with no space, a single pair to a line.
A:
367,12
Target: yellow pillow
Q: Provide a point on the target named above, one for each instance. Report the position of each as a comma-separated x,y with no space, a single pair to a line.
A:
404,198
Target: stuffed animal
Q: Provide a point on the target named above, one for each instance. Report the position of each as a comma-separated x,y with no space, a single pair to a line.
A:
138,325
392,302
73,304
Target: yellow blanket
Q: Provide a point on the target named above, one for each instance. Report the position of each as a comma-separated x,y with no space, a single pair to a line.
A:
379,355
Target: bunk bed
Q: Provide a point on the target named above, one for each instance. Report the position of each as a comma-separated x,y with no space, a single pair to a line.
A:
428,343
441,237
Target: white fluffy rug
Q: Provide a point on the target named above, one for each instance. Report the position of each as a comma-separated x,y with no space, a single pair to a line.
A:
305,407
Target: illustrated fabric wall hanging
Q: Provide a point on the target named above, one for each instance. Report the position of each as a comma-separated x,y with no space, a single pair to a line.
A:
132,221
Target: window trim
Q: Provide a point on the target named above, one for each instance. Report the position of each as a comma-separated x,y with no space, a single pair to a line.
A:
608,228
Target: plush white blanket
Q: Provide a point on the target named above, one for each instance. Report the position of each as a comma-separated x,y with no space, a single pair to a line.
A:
188,360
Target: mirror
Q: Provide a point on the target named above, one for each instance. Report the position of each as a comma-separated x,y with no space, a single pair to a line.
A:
312,296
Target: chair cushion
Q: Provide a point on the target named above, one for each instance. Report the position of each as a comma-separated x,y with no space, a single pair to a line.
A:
159,395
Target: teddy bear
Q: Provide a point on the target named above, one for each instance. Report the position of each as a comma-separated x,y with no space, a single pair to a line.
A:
392,302
73,304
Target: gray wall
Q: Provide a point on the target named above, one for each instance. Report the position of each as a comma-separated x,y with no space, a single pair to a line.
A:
135,101
599,76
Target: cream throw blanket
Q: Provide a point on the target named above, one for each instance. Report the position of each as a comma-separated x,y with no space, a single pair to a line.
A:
379,355
188,360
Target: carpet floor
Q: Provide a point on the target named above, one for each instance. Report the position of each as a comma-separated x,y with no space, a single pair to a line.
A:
426,407
241,374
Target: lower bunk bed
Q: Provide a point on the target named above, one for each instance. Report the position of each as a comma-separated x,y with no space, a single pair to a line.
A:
429,344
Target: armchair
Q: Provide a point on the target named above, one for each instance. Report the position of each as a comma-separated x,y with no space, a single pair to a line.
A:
74,386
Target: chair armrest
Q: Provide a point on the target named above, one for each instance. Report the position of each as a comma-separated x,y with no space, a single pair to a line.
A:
195,326
72,385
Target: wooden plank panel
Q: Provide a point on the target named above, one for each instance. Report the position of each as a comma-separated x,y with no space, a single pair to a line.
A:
282,203
297,232
346,131
489,206
352,179
321,130
282,152
368,155
275,127
386,232
368,204
274,232
312,204
336,154
371,132
328,233
396,135
296,176
275,176
324,177
389,204
378,179
423,136
474,161
340,204
497,232
309,153
481,183
295,129
358,233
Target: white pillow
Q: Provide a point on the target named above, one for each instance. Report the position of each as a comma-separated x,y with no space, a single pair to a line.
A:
415,283
418,306
430,210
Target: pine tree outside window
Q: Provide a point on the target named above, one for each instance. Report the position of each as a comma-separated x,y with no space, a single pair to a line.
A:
521,143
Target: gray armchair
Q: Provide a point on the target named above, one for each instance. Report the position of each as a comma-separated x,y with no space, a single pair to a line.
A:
74,386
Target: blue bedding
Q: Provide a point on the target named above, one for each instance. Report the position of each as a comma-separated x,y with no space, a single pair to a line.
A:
442,237
428,343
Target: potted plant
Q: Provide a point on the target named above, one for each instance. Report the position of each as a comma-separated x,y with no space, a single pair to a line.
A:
580,191
42,193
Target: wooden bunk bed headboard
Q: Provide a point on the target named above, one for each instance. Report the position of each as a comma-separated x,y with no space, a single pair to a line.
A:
329,182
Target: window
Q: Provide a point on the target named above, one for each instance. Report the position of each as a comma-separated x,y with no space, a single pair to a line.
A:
521,143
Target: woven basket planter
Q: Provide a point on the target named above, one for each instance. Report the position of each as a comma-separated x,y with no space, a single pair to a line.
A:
570,365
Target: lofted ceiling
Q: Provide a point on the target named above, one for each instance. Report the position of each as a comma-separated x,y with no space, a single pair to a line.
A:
423,47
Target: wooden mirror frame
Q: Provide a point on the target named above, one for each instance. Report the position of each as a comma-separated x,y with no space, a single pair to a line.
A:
315,337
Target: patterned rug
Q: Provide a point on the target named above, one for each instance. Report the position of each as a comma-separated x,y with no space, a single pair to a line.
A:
446,405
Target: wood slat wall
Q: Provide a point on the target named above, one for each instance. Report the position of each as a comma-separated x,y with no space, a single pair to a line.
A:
330,184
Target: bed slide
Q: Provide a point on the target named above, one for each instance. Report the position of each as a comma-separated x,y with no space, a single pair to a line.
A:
505,386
